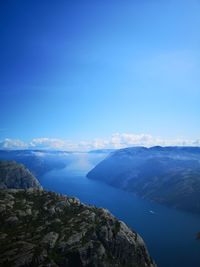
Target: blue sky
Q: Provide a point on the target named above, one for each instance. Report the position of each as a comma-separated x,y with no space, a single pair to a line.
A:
91,70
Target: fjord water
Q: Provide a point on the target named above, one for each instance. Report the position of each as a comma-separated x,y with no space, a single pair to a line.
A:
169,234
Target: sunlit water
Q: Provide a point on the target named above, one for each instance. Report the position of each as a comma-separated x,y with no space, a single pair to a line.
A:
169,234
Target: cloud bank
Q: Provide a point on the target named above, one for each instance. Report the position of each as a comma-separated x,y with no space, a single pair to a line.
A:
116,141
13,144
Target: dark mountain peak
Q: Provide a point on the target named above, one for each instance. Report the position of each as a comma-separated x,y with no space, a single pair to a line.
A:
14,175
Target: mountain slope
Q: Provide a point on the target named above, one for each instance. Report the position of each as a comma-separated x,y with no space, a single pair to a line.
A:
168,175
13,175
40,228
37,161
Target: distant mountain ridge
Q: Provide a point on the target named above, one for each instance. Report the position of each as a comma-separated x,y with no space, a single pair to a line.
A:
168,175
37,161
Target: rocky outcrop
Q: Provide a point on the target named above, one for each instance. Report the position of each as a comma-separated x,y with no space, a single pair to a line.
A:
14,175
40,228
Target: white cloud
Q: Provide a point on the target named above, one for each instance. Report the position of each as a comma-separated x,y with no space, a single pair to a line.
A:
196,142
13,144
48,143
117,140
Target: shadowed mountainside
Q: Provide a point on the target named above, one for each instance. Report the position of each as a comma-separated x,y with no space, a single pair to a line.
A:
37,161
168,175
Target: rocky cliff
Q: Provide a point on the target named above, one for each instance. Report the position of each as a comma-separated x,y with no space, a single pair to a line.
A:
14,175
40,228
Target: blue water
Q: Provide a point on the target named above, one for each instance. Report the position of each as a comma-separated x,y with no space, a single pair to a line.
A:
169,234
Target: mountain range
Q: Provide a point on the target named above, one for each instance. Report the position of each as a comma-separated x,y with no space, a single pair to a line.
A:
167,175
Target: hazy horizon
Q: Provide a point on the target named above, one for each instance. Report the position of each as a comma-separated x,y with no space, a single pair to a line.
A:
17,145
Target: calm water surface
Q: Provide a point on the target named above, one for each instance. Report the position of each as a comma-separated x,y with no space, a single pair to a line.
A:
168,233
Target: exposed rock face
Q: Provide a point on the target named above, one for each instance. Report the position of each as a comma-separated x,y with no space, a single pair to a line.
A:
40,228
13,175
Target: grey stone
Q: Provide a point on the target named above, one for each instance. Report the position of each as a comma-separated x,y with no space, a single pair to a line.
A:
50,239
